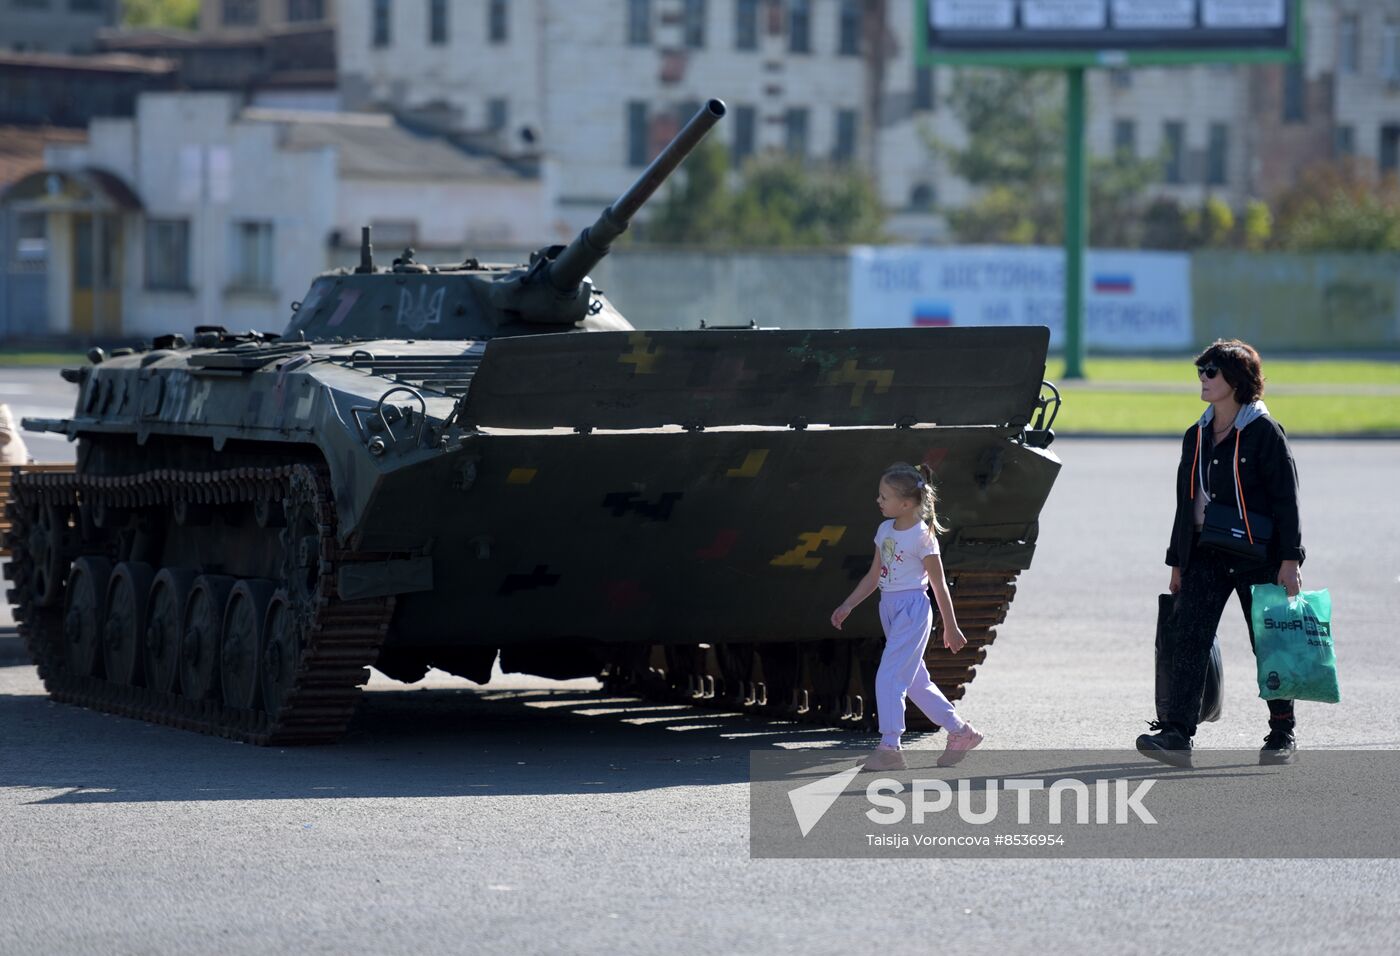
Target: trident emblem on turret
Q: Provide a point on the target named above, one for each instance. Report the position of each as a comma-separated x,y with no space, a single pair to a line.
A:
426,311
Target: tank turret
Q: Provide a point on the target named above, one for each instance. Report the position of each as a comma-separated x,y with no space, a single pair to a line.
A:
471,300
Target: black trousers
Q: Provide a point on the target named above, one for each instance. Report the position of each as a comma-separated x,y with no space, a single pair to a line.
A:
1206,584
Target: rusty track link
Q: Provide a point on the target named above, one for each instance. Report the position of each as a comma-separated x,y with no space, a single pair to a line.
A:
980,600
340,639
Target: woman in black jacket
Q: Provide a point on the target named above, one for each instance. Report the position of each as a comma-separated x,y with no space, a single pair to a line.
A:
1236,456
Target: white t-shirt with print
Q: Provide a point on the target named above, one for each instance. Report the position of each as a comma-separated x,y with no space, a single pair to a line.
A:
902,556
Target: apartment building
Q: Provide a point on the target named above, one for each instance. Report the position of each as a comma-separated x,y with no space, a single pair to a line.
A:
598,86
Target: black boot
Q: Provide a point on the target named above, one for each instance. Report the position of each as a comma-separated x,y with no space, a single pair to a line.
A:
1171,744
1279,745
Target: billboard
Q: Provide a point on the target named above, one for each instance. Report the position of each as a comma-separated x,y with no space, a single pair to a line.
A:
1108,32
1132,300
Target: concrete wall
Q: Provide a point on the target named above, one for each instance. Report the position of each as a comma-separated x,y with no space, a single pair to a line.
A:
676,290
1290,301
1278,301
1275,300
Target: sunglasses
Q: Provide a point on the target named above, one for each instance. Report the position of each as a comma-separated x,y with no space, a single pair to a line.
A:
1209,371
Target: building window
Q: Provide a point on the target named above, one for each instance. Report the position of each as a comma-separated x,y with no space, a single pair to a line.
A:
1348,44
925,95
745,126
305,11
239,13
168,254
921,197
1218,155
1294,94
31,239
693,23
1124,137
848,43
844,149
746,25
498,21
497,113
638,22
1344,142
637,134
250,260
795,129
380,25
437,22
1390,149
1390,52
800,26
1173,148
1120,79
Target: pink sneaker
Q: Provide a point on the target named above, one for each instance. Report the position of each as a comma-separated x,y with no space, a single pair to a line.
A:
958,745
884,758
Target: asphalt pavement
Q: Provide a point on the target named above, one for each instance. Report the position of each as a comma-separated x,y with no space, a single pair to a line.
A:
539,816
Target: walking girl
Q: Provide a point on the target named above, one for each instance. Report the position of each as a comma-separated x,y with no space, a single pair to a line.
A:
906,562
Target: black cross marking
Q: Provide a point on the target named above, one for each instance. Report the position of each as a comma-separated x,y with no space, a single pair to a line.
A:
538,578
621,502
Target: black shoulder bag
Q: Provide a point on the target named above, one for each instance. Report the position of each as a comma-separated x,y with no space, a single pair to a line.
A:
1236,531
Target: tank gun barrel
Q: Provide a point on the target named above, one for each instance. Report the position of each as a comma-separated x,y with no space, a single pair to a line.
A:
585,252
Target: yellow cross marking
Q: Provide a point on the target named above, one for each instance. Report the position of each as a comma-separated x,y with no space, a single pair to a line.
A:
521,476
801,556
643,354
859,378
750,468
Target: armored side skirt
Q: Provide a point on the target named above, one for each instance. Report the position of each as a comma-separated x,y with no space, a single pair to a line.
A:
673,537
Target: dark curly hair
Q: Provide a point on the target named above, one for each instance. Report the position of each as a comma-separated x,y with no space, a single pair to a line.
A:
1239,363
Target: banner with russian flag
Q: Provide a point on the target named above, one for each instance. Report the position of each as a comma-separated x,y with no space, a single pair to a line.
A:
1132,300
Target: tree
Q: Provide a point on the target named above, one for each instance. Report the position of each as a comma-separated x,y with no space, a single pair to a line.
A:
1014,153
697,202
1212,225
181,14
1339,207
776,201
1015,141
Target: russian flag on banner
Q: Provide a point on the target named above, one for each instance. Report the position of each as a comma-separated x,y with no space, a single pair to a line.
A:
1113,283
933,314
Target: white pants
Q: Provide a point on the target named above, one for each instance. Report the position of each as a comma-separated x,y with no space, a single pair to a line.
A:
907,617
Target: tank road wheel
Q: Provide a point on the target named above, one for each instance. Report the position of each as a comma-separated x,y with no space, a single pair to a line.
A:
268,513
170,593
241,648
302,543
281,650
87,609
127,594
201,635
49,541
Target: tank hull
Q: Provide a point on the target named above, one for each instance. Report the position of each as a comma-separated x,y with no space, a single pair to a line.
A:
740,535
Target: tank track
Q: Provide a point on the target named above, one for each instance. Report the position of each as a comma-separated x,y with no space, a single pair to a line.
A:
339,639
828,682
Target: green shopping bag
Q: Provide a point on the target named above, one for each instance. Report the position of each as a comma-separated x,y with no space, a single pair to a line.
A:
1293,644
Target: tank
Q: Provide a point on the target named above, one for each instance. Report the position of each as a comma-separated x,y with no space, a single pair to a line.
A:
450,465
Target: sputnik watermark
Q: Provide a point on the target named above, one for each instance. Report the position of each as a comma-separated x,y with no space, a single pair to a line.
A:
1112,801
1074,803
